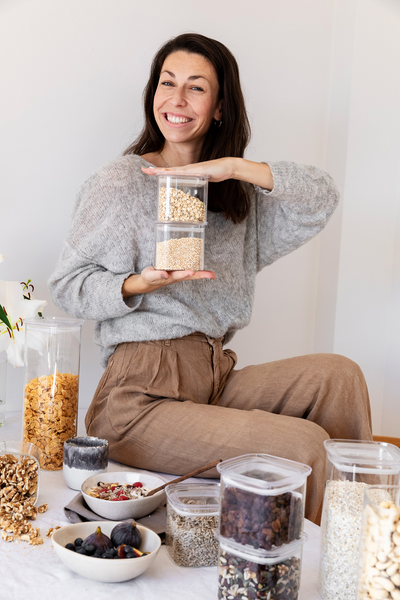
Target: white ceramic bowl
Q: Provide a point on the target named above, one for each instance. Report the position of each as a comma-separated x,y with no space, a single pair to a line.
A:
126,509
102,569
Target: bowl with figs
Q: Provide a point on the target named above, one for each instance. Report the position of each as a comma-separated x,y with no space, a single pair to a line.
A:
105,550
122,494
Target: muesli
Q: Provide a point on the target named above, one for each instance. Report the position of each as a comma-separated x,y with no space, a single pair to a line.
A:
119,491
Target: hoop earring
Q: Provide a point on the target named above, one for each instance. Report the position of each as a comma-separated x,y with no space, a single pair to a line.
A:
218,123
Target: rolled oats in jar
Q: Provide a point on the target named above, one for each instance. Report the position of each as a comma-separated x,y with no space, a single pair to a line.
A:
182,198
179,247
51,391
192,520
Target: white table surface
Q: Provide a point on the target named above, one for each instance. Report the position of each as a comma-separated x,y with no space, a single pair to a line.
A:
35,572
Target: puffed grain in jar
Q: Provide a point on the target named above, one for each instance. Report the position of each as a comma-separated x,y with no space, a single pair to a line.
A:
182,198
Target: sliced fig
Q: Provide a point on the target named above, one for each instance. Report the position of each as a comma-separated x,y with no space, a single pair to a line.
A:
126,533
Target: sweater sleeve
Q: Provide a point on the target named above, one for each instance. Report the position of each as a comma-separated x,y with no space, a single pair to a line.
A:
299,206
98,254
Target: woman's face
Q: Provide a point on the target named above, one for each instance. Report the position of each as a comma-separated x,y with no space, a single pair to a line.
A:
186,99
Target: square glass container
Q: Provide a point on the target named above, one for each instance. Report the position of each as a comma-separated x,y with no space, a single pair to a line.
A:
179,247
351,465
192,520
253,574
262,500
20,461
182,198
379,568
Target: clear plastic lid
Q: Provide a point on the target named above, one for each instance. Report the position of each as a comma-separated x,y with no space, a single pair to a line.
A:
54,323
263,474
194,499
260,556
355,456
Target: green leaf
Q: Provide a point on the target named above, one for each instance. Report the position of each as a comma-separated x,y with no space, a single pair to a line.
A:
4,318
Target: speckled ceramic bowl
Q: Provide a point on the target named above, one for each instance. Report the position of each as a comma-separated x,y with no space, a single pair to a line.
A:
84,457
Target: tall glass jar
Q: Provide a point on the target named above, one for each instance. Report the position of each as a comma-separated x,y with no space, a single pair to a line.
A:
379,572
51,386
351,466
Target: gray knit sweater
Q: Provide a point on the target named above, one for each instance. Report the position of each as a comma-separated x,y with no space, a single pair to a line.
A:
112,237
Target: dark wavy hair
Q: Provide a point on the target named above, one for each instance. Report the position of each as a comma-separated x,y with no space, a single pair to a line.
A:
230,139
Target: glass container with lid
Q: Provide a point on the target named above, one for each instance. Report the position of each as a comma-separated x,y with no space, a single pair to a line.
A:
20,468
192,519
351,465
379,570
247,573
182,198
51,390
179,247
262,500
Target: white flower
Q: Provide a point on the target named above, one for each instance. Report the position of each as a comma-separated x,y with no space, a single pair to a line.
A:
17,309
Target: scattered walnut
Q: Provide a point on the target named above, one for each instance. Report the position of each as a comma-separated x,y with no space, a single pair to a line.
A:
51,531
50,410
42,508
18,489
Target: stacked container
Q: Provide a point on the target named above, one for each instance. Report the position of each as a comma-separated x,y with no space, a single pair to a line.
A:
261,526
351,466
181,222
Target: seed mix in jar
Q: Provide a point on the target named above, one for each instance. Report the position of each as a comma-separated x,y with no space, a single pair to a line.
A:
240,578
190,539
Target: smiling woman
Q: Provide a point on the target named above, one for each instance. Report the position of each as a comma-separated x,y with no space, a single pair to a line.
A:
170,397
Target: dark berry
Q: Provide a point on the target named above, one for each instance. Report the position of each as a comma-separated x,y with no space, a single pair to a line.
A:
78,542
90,549
82,550
70,547
130,555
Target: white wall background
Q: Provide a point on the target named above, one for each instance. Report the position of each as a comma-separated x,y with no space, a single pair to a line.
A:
322,87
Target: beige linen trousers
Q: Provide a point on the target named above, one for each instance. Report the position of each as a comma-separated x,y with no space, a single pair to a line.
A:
175,405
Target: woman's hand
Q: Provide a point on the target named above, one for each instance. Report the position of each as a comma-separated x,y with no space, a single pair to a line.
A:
219,169
150,279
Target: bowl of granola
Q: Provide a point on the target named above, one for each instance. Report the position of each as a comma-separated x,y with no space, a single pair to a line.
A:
122,494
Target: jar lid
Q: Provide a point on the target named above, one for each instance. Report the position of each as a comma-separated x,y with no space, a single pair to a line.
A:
184,179
54,322
194,499
264,474
261,556
358,456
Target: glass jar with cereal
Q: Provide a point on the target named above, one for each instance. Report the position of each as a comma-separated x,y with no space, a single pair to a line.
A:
51,386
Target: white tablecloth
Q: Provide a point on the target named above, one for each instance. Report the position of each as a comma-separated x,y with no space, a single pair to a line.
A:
35,572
